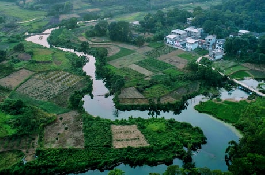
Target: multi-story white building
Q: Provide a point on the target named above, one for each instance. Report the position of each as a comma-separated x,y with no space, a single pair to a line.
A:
191,44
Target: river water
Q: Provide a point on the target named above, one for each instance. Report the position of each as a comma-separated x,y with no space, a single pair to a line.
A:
218,133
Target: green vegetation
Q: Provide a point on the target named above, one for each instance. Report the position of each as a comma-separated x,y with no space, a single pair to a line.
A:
5,128
188,56
257,74
154,65
10,158
44,105
249,155
27,119
10,9
156,44
131,77
99,152
240,75
226,111
123,52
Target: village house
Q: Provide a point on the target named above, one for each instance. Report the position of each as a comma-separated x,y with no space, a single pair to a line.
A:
193,32
216,54
189,20
191,44
202,44
180,33
171,39
210,41
220,44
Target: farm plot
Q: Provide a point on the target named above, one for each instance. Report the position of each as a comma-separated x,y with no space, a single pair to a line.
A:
154,65
47,85
27,144
112,49
124,136
141,70
130,92
14,79
65,132
173,59
127,60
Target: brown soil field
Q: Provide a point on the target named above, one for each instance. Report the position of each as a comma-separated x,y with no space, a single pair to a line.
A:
68,16
124,136
47,85
93,10
24,56
144,49
130,92
13,80
141,70
258,67
65,132
26,144
173,59
62,99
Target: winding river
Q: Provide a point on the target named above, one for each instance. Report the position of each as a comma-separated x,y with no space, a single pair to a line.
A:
218,133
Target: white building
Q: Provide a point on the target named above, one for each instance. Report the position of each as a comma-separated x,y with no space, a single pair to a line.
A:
216,54
220,44
171,39
182,34
242,32
193,32
189,20
210,41
191,44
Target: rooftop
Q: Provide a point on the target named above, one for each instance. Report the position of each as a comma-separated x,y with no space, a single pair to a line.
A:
191,41
243,31
211,37
179,31
172,36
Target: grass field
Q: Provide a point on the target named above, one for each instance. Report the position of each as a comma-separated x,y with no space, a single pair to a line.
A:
10,9
127,60
233,69
131,17
123,52
188,56
42,55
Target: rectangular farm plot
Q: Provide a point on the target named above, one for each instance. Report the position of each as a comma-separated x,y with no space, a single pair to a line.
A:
45,86
13,80
65,132
124,136
127,60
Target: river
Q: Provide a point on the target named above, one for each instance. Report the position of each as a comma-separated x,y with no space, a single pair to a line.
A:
217,132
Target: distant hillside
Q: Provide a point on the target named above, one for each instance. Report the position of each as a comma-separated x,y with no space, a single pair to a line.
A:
232,15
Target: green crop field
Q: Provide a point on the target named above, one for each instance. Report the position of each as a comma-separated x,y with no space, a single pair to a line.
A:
123,52
154,65
10,9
